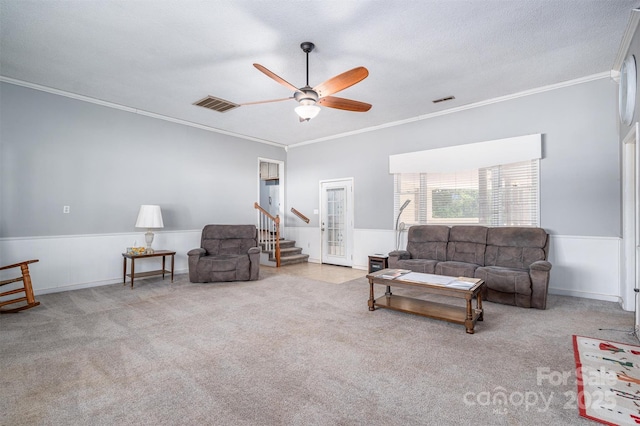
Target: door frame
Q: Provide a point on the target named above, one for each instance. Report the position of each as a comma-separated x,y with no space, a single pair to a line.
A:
349,226
281,191
630,222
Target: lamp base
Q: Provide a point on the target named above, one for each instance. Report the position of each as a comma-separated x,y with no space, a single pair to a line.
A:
148,237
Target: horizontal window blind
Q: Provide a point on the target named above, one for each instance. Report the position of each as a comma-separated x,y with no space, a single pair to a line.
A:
501,195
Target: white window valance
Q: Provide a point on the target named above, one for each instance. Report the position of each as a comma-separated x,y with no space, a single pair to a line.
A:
469,156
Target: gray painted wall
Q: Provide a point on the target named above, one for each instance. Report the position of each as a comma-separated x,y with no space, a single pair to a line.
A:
579,172
104,163
57,151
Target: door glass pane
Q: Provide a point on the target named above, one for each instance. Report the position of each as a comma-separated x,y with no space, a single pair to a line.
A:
335,221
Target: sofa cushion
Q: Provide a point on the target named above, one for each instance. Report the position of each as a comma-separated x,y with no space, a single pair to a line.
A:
234,239
223,232
467,244
506,285
428,242
426,266
223,267
456,269
515,247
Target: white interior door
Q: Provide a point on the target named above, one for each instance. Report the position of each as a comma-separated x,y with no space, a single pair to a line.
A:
336,221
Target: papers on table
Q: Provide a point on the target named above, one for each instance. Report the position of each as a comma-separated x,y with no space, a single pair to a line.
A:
428,278
466,285
439,280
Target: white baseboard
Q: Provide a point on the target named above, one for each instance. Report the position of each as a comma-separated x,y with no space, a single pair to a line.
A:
584,295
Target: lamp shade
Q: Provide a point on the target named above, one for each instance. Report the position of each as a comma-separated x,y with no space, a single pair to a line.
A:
149,216
307,112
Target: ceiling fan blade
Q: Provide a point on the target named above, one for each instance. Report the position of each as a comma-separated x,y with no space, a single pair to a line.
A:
341,81
277,78
266,102
345,104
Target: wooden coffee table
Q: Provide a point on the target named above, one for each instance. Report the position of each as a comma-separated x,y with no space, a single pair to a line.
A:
456,314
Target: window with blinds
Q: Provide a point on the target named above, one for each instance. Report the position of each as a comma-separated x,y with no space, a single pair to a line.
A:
503,195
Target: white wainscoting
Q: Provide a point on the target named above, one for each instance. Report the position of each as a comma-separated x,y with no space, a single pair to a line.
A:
582,266
80,261
587,267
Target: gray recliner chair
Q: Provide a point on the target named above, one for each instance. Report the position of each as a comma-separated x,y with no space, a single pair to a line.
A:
226,253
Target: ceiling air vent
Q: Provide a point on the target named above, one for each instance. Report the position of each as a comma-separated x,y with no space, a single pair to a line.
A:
448,98
216,104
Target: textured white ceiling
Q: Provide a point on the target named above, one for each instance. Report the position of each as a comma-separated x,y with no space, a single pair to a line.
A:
161,56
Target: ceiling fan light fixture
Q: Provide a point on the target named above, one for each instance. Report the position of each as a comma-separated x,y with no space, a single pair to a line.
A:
310,97
307,111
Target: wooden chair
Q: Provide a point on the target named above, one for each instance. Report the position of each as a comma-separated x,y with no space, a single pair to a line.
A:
26,288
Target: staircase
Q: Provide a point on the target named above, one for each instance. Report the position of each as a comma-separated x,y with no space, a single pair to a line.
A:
276,251
289,254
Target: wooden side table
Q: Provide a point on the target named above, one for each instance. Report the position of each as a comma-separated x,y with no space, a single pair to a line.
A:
378,262
133,258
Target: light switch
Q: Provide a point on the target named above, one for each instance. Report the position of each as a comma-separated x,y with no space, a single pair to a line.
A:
66,209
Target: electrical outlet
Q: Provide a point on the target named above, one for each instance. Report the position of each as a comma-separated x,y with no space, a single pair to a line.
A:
66,209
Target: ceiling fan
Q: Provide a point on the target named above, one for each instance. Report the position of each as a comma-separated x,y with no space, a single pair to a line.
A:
308,97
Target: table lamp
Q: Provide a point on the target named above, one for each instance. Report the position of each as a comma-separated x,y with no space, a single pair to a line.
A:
149,217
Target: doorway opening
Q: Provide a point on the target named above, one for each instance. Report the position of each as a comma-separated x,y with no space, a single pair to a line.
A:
271,187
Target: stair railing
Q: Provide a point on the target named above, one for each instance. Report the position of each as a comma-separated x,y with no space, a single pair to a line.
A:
300,215
268,232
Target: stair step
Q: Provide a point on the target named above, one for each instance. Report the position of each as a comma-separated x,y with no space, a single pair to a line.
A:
290,260
285,252
284,244
289,253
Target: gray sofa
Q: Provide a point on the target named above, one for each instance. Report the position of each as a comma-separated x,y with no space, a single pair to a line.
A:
226,253
511,260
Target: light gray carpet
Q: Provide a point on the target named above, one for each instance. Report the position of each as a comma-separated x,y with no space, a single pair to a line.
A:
286,350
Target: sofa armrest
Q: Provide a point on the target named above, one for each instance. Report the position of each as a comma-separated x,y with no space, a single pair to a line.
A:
400,254
540,265
194,257
397,255
254,258
539,273
197,252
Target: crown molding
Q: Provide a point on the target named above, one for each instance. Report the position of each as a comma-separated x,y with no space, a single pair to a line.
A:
337,136
627,37
600,76
133,110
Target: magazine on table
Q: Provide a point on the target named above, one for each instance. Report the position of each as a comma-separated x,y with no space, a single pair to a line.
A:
392,274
